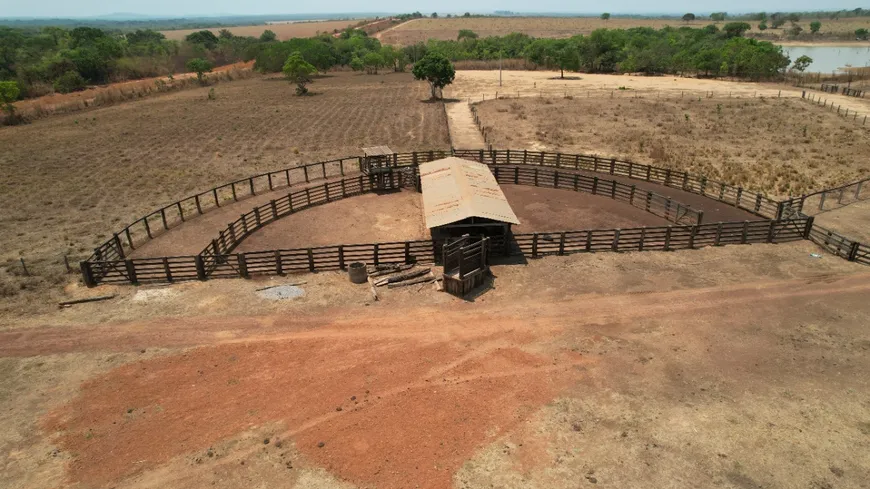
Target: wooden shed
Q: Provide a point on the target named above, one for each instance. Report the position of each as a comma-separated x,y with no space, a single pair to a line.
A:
378,163
462,197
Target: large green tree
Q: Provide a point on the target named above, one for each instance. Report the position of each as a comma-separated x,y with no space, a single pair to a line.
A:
299,71
437,70
200,66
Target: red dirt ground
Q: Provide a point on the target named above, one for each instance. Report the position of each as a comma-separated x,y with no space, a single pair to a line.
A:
385,409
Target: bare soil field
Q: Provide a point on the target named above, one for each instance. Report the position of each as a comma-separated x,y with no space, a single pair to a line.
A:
735,367
283,31
69,180
778,146
421,30
368,218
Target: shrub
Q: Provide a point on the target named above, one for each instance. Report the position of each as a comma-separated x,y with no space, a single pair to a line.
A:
71,81
862,34
815,26
199,66
372,62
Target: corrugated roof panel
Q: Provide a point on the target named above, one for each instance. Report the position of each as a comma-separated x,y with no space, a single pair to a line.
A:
455,189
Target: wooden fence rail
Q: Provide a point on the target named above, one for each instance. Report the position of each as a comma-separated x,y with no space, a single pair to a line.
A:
829,199
534,245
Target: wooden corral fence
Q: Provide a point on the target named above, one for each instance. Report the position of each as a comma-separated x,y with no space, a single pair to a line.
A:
847,91
109,262
532,245
754,203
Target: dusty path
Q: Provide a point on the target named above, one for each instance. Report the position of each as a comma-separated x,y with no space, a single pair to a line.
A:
463,131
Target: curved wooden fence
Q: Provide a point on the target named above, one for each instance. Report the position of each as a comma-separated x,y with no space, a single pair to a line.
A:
109,262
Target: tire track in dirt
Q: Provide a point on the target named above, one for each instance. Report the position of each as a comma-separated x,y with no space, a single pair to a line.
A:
424,323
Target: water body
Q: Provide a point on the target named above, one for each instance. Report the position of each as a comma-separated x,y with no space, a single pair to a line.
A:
830,58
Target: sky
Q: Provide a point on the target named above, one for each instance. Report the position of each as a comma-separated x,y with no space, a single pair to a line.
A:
181,8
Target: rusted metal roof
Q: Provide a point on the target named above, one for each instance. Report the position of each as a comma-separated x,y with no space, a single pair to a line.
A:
377,151
455,189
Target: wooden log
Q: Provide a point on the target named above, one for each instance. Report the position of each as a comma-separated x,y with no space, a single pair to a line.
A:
430,278
88,299
402,277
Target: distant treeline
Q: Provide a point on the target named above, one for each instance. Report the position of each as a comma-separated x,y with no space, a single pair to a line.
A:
710,51
56,59
165,24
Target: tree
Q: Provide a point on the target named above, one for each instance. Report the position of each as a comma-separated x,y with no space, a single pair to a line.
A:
815,26
793,17
205,38
372,62
735,29
762,16
434,15
762,26
268,36
225,34
71,81
605,16
466,34
718,16
688,17
356,64
466,14
795,30
9,93
299,71
199,66
777,23
862,34
437,70
802,63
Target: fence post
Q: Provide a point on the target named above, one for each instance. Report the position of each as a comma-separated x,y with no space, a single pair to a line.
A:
305,170
535,245
147,227
668,239
642,238
648,200
536,176
757,202
589,240
131,272
561,244
375,257
87,274
274,209
341,257
407,252
808,227
613,189
739,195
257,216
692,237
163,218
822,201
243,265
251,184
853,251
718,234
217,202
615,245
745,232
648,169
198,206
180,210
279,263
200,267
594,185
556,179
631,196
612,165
685,180
118,245
525,156
129,238
516,176
310,260
779,209
700,218
770,230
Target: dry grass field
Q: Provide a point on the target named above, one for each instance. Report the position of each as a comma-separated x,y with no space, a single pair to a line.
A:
779,146
284,31
68,181
420,30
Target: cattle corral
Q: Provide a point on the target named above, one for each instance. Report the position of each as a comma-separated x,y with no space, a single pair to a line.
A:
599,353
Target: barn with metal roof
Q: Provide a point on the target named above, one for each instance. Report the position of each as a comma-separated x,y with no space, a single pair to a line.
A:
462,197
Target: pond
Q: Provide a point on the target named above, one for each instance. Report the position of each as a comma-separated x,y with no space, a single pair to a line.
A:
830,58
